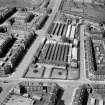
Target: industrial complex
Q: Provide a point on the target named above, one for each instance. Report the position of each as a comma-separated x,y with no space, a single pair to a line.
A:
52,52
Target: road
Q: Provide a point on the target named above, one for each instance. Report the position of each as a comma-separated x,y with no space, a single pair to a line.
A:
82,56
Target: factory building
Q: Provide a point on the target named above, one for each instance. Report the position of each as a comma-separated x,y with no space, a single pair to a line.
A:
75,42
58,53
70,54
67,29
72,35
54,53
74,58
